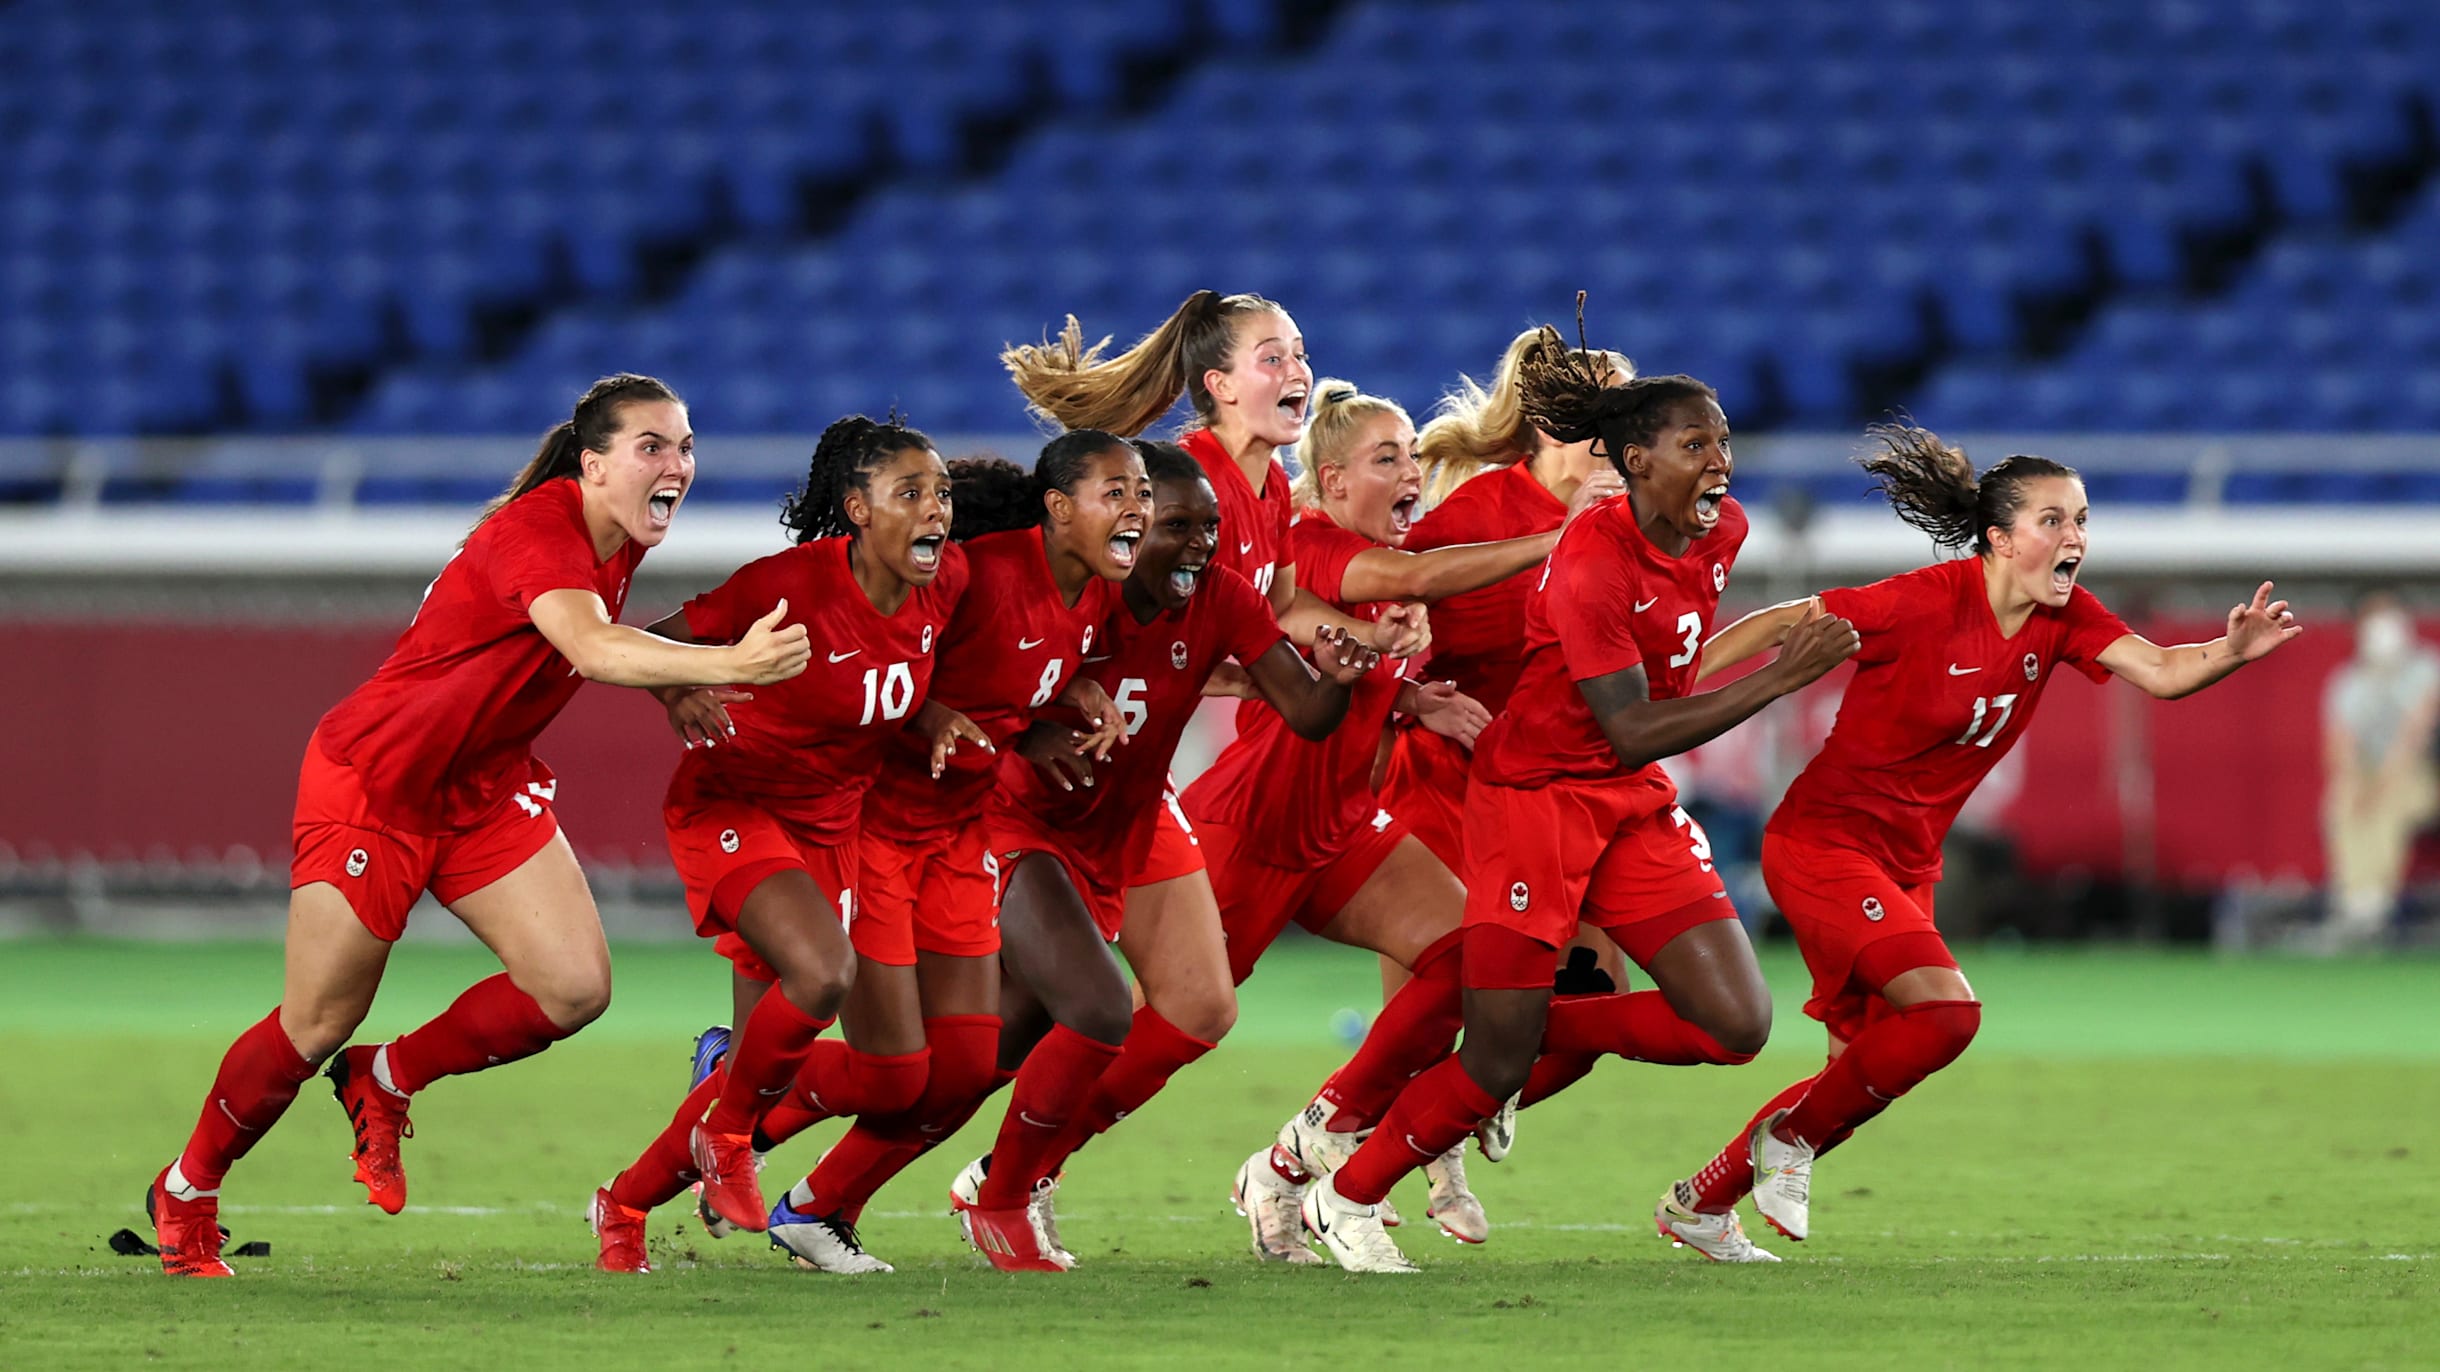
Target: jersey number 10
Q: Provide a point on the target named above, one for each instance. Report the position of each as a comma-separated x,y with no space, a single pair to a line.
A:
892,695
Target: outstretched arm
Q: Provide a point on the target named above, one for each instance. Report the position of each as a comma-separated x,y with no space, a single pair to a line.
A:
2254,631
1764,628
1312,705
1642,730
578,624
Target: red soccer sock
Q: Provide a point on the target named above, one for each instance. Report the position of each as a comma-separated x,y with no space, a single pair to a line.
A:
965,1071
1414,1030
837,1080
1889,1058
1726,1179
668,1162
762,1062
1632,1024
1155,1051
258,1077
1050,1087
1553,1073
492,1024
1435,1113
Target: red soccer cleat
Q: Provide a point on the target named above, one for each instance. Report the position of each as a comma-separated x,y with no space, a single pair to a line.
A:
379,1116
188,1233
621,1231
732,1188
1010,1239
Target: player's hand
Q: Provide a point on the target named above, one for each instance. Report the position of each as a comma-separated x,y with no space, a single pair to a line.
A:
2257,628
1105,727
1450,712
1816,644
700,715
1403,630
769,653
1340,656
949,729
1601,485
1057,752
1229,681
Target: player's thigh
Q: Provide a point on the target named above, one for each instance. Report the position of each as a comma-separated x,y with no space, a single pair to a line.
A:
1410,902
1173,943
884,1011
1710,975
1606,954
793,924
333,968
540,921
1925,984
949,984
1050,945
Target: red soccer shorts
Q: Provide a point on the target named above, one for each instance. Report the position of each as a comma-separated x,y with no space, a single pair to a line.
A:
945,887
1840,903
1426,787
1545,859
1257,901
1175,851
725,848
1017,834
381,869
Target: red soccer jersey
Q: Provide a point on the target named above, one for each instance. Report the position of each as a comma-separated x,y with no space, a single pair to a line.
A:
1939,697
1155,673
1254,540
1607,600
806,748
1478,638
1297,802
446,727
1011,647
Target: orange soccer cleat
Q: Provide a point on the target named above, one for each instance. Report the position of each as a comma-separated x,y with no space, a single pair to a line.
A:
187,1232
379,1116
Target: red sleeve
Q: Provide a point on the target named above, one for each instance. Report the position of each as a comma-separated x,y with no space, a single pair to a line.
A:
1247,628
533,551
1875,611
2087,629
1321,551
1283,515
1586,583
1454,521
723,613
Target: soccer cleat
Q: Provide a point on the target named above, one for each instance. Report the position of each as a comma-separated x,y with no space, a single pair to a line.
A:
187,1232
710,1047
966,1193
1308,1146
732,1184
1351,1233
379,1116
716,1226
1783,1179
1011,1239
1460,1214
821,1243
1720,1238
1496,1135
1269,1203
621,1232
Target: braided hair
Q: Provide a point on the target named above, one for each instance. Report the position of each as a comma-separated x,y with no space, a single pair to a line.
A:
1568,395
849,452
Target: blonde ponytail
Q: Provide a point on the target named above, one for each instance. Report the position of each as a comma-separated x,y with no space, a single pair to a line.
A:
1474,428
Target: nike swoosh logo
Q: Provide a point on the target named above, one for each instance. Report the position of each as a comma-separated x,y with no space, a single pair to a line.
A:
1025,643
842,657
1038,1124
1245,548
1955,670
223,1103
1646,605
1420,1150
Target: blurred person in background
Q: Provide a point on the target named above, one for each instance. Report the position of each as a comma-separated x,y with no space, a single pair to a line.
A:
2377,715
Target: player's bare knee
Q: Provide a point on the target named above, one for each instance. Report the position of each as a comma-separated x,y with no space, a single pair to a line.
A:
1742,1031
821,988
1101,1018
573,998
317,1031
1208,1014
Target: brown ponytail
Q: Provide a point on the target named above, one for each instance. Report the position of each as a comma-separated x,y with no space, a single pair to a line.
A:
1071,386
1932,485
595,422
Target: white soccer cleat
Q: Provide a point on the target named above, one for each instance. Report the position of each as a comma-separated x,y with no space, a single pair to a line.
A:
1307,1145
820,1243
1783,1179
967,1192
1269,1203
1496,1135
1720,1238
1460,1214
1351,1233
716,1226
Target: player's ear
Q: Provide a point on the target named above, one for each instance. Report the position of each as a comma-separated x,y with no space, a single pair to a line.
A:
859,511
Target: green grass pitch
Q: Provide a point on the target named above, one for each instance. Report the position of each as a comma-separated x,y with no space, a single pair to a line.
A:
2148,1160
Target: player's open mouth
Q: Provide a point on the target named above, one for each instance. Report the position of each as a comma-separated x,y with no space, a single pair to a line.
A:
1183,580
663,504
1402,515
1122,547
925,553
1292,403
2063,576
1707,504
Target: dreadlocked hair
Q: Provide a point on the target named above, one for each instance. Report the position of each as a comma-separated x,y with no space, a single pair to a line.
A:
1475,427
1932,485
1165,461
1567,394
849,452
1074,387
995,494
598,415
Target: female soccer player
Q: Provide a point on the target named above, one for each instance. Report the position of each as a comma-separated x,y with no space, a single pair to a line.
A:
1293,830
1044,553
1570,817
763,816
1955,658
424,779
1070,849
